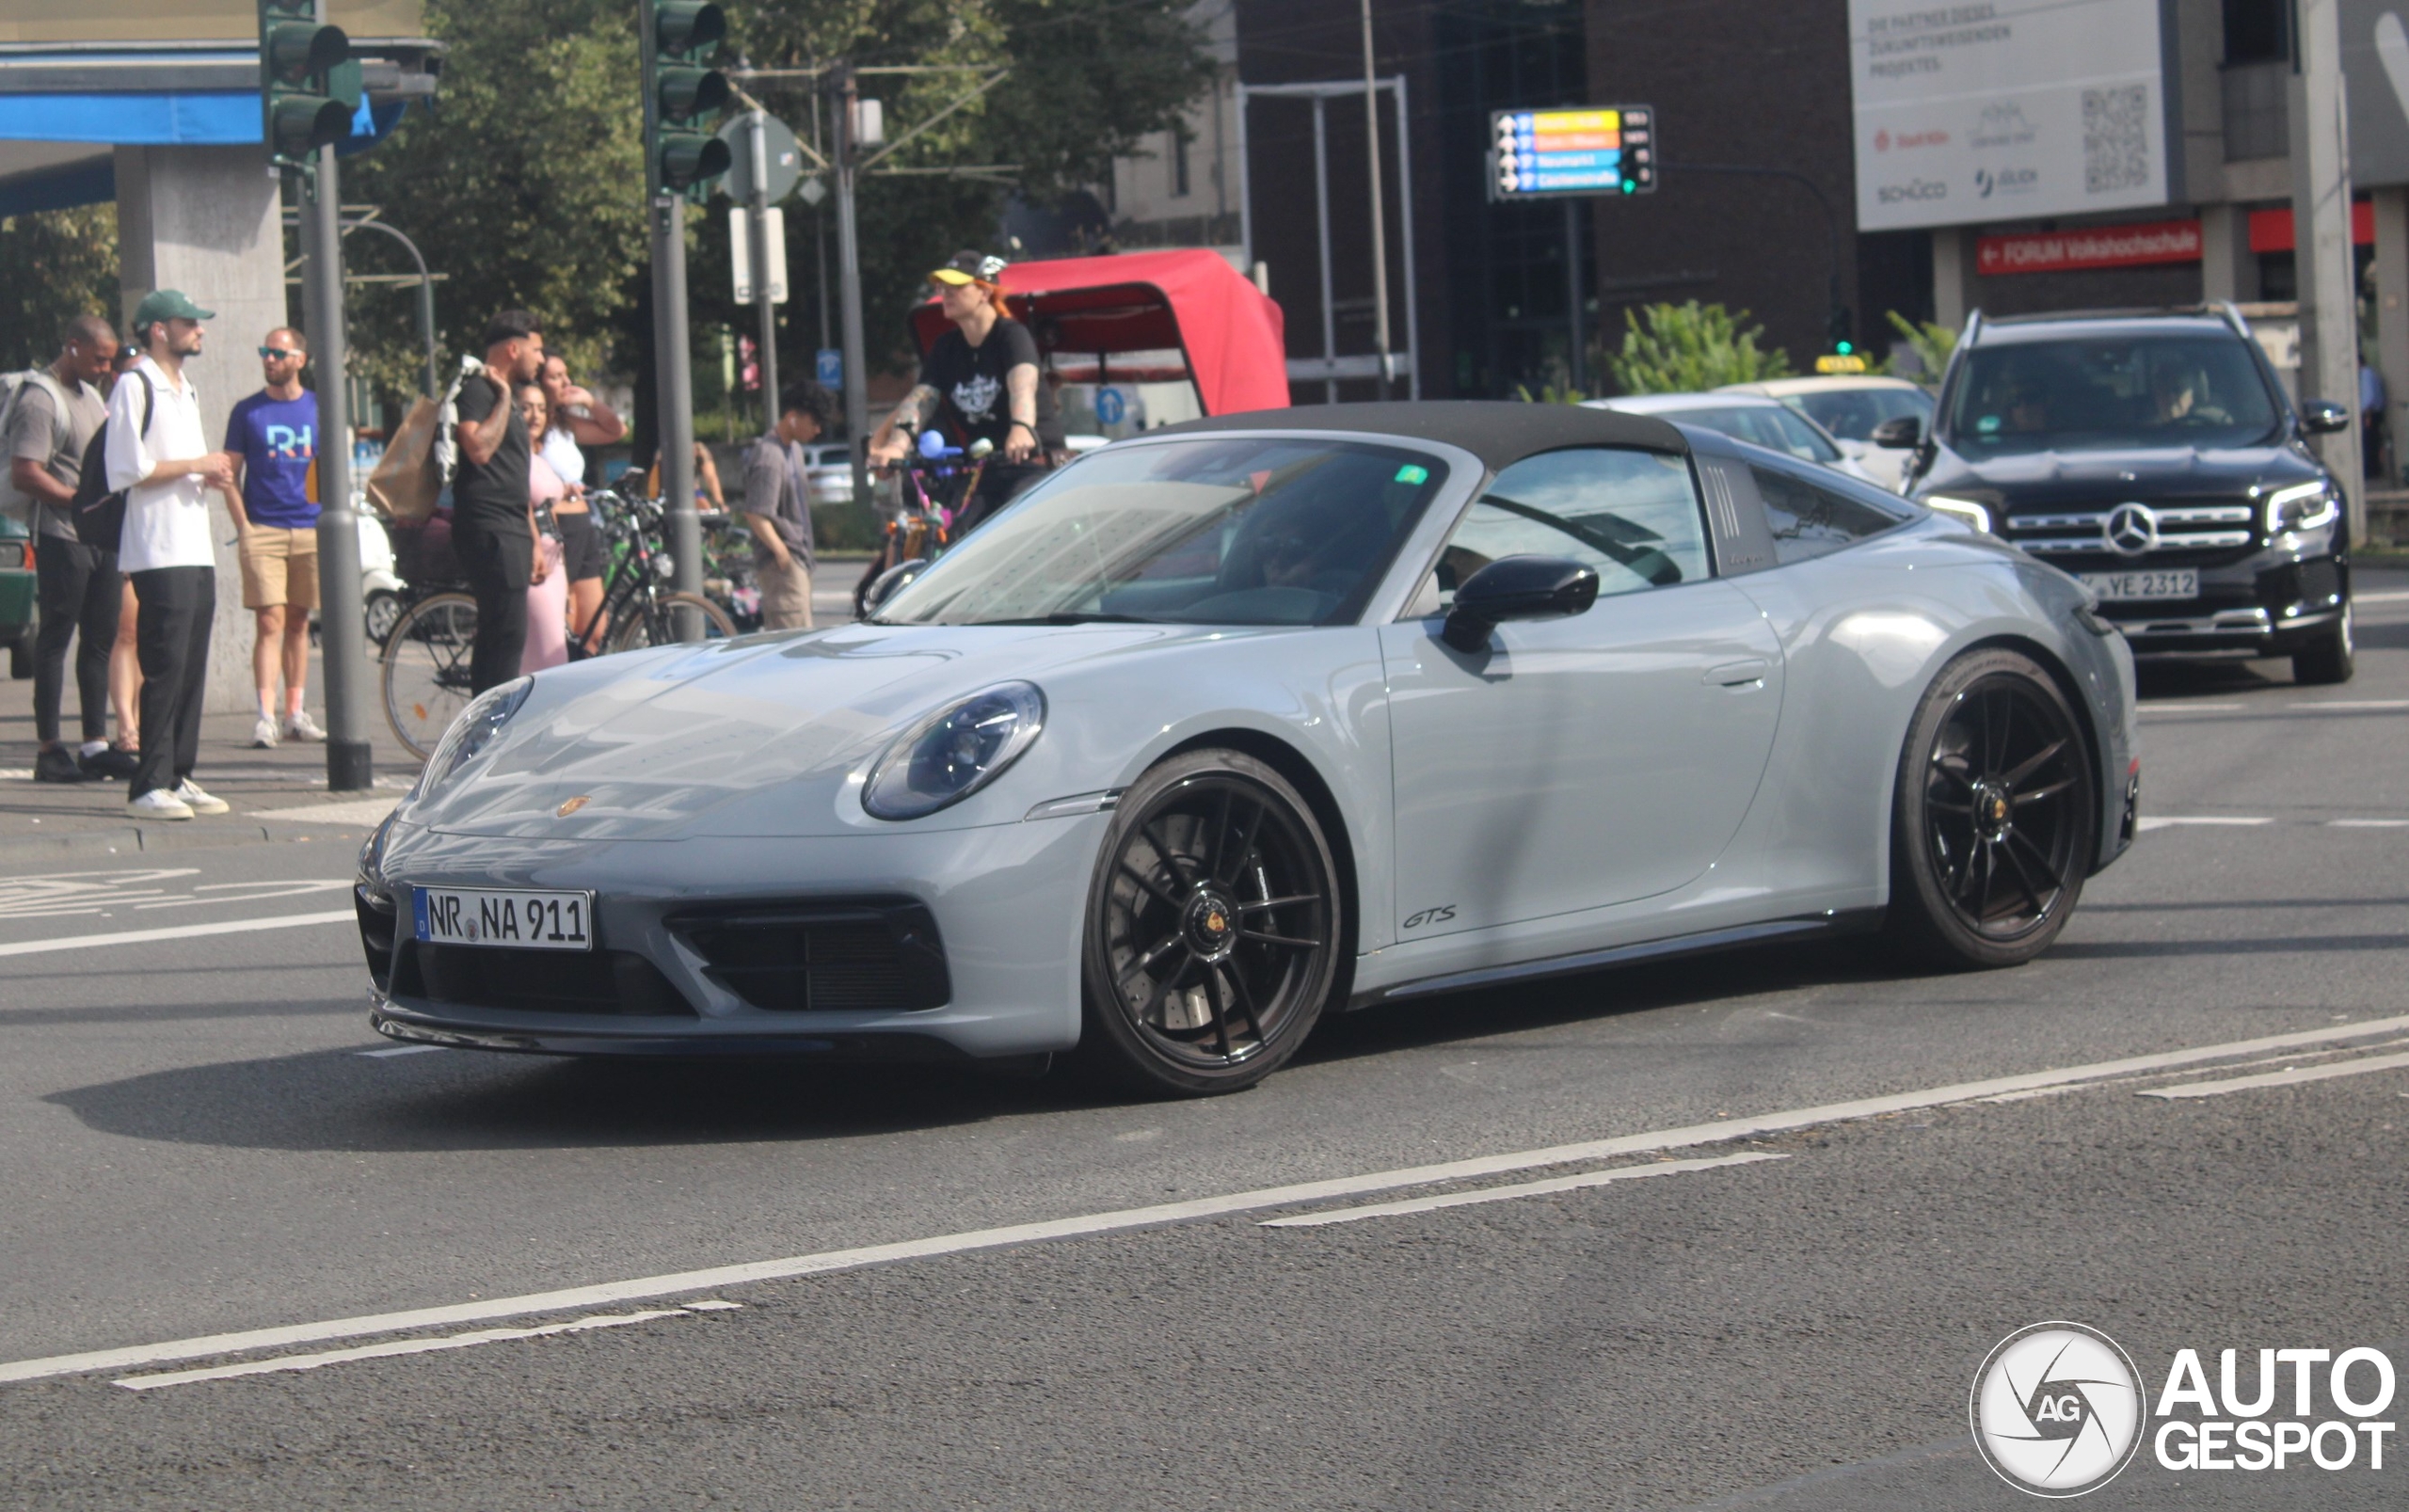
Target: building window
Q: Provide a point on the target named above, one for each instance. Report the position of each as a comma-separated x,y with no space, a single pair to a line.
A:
2258,31
1179,165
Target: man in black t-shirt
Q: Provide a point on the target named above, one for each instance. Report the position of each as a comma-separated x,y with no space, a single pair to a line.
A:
981,382
493,513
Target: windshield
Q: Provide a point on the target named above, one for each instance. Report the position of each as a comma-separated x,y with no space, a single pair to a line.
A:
1216,531
2118,391
1768,424
1851,414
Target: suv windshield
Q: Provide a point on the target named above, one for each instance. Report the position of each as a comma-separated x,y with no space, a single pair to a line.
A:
2101,393
1216,531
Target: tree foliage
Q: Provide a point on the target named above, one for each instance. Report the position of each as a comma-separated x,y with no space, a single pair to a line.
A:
55,264
1688,347
1931,343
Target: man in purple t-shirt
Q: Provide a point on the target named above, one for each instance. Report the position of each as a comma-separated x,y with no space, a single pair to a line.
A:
273,438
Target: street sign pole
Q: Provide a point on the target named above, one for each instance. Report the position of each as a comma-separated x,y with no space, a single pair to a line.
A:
1380,224
342,626
1573,313
765,279
849,275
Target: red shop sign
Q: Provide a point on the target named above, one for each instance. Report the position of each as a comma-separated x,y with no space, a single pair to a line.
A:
2090,247
2271,230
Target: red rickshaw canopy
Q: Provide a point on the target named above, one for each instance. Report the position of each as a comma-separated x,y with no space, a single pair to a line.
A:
1189,302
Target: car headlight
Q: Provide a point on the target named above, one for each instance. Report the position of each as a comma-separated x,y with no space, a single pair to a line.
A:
471,732
1978,515
954,752
2303,507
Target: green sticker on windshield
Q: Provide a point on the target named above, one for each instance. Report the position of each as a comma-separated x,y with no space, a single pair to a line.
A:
1410,473
1987,424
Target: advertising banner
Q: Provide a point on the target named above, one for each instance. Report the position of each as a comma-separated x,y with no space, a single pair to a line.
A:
2005,109
2092,246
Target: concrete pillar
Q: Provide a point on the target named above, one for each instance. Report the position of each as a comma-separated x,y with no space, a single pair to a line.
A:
2228,269
209,220
1952,276
2392,316
2322,255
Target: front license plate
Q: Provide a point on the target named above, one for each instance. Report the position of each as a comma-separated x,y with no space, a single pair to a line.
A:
2128,587
526,921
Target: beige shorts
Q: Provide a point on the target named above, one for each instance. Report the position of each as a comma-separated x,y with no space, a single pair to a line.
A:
786,596
279,568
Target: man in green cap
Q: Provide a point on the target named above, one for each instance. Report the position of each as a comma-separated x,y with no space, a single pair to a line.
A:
159,455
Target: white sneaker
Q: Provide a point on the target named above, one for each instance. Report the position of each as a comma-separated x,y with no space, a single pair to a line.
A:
159,803
301,728
199,802
263,734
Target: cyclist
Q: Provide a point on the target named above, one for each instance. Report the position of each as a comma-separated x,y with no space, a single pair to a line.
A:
981,382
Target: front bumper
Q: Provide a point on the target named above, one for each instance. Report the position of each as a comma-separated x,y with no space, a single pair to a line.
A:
1004,904
2273,603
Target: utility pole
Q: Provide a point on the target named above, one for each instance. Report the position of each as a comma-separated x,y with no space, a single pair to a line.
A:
1379,225
1579,364
343,629
2321,253
765,279
849,277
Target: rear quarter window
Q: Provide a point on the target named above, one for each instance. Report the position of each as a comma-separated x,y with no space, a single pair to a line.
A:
1811,516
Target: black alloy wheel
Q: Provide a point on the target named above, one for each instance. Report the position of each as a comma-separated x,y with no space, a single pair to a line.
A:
1995,815
2332,657
1213,933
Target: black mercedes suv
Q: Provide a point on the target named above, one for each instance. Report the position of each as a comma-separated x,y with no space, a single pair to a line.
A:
2155,456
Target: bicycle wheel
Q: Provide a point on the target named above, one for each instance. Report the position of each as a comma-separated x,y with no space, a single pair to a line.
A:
659,626
425,669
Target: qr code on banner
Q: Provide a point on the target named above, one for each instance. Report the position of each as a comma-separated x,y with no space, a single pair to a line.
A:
2115,138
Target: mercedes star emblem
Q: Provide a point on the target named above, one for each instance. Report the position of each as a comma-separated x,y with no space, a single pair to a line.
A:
2131,530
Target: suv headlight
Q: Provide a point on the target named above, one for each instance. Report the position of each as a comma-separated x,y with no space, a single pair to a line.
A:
471,732
954,752
1978,515
2303,507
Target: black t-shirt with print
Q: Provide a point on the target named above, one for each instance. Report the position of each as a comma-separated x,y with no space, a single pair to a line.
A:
973,399
492,497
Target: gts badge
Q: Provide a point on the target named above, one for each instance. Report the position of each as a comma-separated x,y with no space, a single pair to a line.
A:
1431,915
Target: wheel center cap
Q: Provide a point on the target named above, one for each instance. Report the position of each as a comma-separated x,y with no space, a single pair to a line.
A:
1993,813
1211,923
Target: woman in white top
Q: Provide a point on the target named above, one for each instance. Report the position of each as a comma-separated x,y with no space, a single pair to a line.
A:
577,420
547,593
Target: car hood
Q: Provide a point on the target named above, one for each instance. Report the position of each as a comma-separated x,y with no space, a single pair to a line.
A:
755,737
2039,481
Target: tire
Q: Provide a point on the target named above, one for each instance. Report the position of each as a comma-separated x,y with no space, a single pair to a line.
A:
634,633
21,656
1994,817
1213,937
2331,658
382,612
424,669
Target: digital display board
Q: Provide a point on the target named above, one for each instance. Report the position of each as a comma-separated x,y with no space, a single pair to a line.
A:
1543,154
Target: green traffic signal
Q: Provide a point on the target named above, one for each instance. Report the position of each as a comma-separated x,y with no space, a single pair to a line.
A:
1844,348
684,25
304,71
680,88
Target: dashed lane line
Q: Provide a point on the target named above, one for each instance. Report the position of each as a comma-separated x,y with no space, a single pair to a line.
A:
177,931
1092,1225
2288,1077
2160,821
1502,1194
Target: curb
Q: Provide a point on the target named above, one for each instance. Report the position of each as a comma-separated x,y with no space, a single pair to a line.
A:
141,839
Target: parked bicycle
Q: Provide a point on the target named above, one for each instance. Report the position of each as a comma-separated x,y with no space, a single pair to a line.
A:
426,665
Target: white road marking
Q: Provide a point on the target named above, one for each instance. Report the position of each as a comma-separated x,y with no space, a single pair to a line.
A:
718,1277
1501,1194
2160,821
179,931
2192,708
386,1351
2368,823
2353,704
370,812
400,1050
2390,595
254,892
2279,1078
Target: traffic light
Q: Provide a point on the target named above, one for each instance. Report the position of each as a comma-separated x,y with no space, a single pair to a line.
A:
679,88
1836,327
304,68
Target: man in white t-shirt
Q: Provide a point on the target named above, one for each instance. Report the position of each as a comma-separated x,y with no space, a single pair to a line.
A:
164,466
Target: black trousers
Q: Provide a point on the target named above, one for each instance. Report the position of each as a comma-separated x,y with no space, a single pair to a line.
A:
498,565
171,638
78,588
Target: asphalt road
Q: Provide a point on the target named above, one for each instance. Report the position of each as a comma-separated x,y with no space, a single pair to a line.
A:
199,1137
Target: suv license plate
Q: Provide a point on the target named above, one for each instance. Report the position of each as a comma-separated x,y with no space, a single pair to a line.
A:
2128,587
525,921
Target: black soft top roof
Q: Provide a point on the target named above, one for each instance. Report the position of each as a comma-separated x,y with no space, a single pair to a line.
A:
1497,432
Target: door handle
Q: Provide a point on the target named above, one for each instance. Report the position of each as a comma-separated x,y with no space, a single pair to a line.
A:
1739,676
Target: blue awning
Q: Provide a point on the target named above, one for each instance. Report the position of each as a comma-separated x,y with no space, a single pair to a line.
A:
197,120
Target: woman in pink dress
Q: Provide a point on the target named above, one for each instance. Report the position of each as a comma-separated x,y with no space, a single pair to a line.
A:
547,593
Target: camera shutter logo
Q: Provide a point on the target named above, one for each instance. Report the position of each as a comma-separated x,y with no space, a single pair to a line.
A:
2131,530
2057,1409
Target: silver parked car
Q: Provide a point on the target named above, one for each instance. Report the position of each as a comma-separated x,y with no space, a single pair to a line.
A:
1749,418
1257,718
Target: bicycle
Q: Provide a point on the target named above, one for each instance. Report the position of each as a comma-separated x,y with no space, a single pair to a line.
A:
425,666
922,528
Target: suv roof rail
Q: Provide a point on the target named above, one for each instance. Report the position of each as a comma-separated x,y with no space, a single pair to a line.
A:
1973,328
2232,313
2214,312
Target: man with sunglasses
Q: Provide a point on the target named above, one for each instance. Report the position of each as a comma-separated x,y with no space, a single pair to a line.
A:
272,436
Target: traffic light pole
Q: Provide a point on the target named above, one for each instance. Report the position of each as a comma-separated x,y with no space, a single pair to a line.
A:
1579,365
765,279
674,369
343,627
849,272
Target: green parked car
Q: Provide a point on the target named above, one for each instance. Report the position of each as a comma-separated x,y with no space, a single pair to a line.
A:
17,596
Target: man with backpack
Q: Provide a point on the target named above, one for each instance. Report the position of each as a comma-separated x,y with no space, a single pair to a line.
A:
47,429
159,456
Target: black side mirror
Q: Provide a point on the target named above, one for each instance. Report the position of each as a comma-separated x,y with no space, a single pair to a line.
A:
1899,432
2323,416
1518,587
887,583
